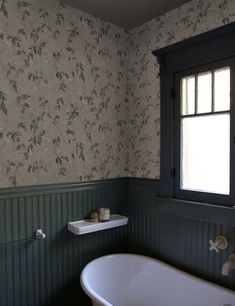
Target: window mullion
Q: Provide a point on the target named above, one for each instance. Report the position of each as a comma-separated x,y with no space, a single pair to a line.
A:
232,129
206,114
196,93
213,92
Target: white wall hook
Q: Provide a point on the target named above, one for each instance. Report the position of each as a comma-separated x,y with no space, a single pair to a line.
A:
220,243
39,234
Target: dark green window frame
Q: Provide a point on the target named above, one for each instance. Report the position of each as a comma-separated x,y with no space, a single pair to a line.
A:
207,51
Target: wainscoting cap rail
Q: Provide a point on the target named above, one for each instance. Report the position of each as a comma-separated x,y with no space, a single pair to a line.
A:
13,192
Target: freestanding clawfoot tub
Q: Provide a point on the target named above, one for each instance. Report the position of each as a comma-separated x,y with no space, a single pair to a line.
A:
135,280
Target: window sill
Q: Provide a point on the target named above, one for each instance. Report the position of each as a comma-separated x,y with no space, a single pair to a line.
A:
196,210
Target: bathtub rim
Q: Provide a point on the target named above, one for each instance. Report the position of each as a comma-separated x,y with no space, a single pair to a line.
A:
87,288
98,299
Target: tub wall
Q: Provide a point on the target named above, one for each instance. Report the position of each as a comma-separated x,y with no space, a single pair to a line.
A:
169,234
177,233
46,272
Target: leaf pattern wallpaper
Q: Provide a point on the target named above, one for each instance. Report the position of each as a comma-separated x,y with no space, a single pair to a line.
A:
63,82
79,97
191,19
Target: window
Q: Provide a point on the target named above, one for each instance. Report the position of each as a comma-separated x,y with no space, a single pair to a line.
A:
204,124
197,118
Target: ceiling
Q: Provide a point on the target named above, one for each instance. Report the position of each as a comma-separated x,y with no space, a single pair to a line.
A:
126,13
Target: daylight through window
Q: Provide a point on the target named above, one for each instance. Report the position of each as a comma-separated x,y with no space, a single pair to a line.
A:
205,132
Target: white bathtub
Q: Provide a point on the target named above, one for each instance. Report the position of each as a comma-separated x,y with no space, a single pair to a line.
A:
134,280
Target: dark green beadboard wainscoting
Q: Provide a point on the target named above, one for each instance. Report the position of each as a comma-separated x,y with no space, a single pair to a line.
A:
46,272
178,232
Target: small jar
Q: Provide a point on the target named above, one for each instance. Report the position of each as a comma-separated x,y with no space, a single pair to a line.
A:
104,214
94,217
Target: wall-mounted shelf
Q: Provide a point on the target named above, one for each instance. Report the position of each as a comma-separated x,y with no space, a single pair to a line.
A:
87,226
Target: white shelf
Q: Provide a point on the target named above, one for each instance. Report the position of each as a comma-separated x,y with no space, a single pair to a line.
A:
87,226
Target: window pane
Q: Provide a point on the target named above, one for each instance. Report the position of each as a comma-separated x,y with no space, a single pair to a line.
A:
205,153
222,89
204,95
188,95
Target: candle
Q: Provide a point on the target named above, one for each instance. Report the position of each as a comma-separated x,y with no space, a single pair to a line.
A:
104,214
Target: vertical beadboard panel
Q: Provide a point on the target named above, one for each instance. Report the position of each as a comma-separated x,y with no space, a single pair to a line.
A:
46,272
179,240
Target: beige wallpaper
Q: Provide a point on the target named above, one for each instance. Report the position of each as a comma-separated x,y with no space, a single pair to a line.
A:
63,82
79,97
193,18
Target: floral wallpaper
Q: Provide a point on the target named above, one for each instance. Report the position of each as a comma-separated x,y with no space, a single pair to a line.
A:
193,18
79,97
63,83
